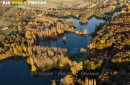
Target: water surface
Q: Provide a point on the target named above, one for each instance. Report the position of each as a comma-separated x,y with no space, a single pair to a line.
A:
75,42
16,71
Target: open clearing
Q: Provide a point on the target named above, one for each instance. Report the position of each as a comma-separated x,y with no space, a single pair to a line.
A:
6,32
4,23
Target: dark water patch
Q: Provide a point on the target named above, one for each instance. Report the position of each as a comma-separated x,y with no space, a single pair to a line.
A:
19,73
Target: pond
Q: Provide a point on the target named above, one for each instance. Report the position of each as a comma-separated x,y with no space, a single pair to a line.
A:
75,42
16,71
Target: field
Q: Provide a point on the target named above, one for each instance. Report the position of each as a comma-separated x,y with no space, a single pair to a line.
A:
58,2
6,32
4,23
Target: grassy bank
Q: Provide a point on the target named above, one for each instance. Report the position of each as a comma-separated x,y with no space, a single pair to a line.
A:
7,32
4,23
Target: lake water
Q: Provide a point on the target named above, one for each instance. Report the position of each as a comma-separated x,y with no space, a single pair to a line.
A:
75,42
16,71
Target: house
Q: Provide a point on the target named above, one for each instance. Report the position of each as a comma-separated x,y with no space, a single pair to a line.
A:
54,35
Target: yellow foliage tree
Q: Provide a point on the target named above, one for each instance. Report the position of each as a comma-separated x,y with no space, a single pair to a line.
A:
77,68
24,47
109,43
33,68
100,46
102,41
28,34
19,48
15,51
93,65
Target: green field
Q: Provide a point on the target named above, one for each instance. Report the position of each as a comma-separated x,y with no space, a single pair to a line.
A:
58,2
8,32
4,23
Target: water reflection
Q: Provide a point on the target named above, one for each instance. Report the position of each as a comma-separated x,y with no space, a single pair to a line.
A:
74,42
